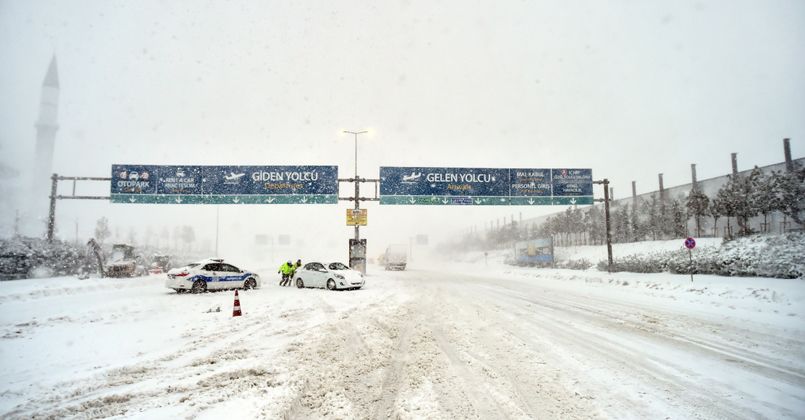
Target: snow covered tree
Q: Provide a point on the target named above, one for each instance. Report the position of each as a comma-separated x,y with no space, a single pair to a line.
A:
622,231
714,211
634,220
736,201
102,231
677,219
596,225
790,189
651,209
724,205
764,196
697,205
745,206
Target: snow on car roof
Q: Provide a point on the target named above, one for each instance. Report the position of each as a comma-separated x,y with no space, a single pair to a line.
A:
208,260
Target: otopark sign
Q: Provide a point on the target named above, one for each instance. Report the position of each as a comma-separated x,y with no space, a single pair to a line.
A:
485,186
196,184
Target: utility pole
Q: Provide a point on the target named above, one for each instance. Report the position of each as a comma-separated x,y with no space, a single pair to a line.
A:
605,182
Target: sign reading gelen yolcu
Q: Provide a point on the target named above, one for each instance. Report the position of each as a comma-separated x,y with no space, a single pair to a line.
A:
224,184
485,186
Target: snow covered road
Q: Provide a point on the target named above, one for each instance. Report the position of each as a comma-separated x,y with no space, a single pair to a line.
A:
466,342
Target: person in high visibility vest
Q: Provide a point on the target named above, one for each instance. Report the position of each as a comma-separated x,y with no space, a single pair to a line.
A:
287,271
295,267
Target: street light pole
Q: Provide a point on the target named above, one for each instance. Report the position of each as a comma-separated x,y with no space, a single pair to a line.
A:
357,184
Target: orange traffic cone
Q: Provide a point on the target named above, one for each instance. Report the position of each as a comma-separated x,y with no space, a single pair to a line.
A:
236,311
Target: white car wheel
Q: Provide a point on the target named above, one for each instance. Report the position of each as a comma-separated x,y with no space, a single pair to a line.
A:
331,284
299,283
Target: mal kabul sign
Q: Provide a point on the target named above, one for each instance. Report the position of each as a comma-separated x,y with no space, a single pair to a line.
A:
224,184
485,186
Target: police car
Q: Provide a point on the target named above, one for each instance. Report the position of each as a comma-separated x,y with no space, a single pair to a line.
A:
210,274
332,276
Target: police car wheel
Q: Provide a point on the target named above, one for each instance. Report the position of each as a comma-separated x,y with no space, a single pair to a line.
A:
249,284
199,286
331,284
300,284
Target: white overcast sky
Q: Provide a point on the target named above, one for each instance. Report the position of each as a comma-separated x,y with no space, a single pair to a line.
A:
628,88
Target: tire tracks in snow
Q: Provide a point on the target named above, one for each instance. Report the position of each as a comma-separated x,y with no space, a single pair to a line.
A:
596,326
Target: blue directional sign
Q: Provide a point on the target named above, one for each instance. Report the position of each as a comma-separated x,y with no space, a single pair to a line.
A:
572,182
193,184
485,186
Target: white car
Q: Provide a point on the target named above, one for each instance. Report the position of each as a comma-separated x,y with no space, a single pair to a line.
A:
333,276
210,274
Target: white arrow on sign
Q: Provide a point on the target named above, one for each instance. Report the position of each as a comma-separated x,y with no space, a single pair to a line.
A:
178,200
530,201
572,201
303,200
411,200
478,201
132,199
236,200
269,200
445,201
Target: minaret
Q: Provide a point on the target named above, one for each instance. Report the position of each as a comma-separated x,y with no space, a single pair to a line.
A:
46,127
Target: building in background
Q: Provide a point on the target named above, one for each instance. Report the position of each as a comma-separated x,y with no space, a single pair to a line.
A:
46,127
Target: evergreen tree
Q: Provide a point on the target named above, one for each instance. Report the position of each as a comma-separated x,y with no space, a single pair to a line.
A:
790,188
714,211
678,220
724,205
765,197
637,227
620,224
697,205
653,217
594,221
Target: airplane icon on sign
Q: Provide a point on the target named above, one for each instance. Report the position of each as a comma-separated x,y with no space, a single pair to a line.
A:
414,177
233,176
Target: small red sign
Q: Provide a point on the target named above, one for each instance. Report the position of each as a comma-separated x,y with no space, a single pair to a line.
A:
690,243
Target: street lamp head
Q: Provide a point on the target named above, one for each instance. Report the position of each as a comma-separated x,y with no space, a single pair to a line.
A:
356,132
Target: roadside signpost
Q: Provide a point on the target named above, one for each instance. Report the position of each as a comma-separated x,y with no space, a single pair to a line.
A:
485,186
193,184
690,243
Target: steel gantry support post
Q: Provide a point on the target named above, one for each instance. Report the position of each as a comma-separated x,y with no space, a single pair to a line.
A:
54,196
52,213
605,183
357,183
